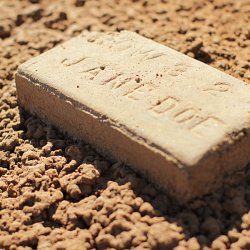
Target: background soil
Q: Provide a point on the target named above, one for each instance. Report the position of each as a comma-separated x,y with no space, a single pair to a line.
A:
56,193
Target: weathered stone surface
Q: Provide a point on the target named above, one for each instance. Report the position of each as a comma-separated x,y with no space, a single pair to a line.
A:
180,122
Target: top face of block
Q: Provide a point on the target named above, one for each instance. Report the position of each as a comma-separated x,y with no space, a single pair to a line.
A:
172,103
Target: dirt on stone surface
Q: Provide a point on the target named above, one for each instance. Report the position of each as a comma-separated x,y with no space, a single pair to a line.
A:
57,193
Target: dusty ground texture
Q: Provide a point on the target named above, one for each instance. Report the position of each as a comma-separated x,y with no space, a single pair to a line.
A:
56,193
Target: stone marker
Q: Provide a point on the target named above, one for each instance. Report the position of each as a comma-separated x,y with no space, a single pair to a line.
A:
182,123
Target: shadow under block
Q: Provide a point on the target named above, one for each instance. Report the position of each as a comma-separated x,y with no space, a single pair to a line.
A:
181,123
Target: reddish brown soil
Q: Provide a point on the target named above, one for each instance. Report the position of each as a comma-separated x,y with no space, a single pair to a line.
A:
59,194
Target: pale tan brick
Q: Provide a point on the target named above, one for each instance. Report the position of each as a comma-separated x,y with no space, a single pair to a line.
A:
183,124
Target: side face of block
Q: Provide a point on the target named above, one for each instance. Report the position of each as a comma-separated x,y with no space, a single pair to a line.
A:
177,120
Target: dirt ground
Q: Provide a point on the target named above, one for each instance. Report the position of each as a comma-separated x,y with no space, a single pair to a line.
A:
56,193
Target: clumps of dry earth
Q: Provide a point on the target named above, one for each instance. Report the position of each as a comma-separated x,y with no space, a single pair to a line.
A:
56,193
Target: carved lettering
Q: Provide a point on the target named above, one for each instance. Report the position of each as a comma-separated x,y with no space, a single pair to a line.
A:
140,92
111,80
135,88
165,105
72,61
208,126
188,117
146,53
199,117
185,115
121,44
116,81
217,88
177,69
129,93
92,72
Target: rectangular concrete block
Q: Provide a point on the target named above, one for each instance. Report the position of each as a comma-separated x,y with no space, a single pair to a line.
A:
181,123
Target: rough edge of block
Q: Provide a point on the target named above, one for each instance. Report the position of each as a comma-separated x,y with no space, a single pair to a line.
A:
183,184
